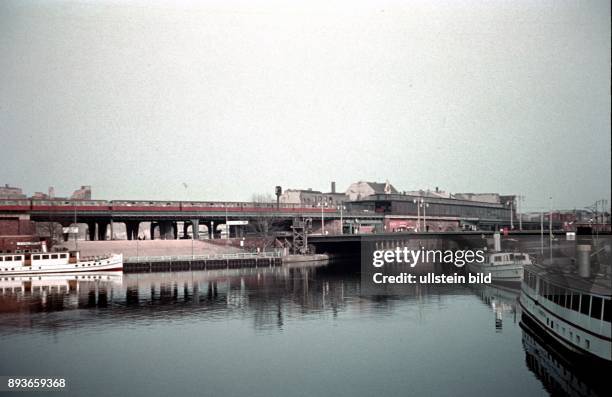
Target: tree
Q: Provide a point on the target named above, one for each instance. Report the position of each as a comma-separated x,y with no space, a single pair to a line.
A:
265,225
51,230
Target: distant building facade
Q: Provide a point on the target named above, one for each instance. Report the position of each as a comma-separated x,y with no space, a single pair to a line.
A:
360,190
11,192
309,197
84,193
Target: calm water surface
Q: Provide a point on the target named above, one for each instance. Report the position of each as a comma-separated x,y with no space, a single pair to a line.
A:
265,332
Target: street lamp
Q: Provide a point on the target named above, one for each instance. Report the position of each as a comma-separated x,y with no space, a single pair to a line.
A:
418,205
322,205
341,208
421,204
511,204
425,205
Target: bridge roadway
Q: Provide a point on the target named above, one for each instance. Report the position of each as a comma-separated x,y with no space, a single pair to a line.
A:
352,244
101,214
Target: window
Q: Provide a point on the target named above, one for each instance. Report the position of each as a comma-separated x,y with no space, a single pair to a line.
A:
607,311
575,301
54,256
36,257
562,294
45,256
585,304
587,343
8,258
596,303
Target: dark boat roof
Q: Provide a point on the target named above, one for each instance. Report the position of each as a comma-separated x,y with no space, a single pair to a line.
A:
567,277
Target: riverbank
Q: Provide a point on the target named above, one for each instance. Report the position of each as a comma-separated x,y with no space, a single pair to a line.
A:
151,247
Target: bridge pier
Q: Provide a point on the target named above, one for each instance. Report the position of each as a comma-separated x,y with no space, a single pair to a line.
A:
195,229
166,230
91,230
102,230
131,228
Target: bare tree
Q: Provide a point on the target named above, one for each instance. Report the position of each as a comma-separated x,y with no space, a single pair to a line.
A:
266,224
51,230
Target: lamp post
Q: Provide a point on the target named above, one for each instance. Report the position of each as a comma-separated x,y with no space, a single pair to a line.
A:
520,215
510,203
425,205
226,225
418,205
322,205
550,230
341,208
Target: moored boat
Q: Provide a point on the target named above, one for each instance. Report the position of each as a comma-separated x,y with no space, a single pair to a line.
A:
57,262
572,306
504,267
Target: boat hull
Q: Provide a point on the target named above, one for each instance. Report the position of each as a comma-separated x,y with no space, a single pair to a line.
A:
114,263
509,274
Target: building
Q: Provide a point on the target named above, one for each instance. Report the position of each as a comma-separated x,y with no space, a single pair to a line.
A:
427,212
16,231
360,190
84,193
309,197
480,197
10,192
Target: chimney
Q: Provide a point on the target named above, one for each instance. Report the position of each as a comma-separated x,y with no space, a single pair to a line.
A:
584,260
333,187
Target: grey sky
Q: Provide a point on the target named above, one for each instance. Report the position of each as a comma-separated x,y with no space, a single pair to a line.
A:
235,98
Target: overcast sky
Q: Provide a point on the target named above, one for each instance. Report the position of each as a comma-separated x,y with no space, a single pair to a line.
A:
233,98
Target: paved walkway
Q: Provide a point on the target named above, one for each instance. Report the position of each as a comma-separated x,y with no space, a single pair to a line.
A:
150,247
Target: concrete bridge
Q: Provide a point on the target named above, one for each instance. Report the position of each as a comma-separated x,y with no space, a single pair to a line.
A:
235,218
101,215
353,245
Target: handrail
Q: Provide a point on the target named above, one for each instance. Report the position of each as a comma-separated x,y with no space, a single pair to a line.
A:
186,258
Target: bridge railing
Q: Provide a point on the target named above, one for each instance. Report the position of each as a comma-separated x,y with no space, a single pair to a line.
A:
187,258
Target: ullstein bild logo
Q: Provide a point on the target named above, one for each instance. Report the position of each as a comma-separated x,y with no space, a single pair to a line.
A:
386,271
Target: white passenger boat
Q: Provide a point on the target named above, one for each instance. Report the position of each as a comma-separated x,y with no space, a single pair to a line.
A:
504,267
574,309
57,262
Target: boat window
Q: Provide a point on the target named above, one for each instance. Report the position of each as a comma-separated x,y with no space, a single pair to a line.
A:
36,257
519,257
1,258
596,303
607,311
54,256
45,256
575,301
585,304
562,297
8,258
568,299
63,255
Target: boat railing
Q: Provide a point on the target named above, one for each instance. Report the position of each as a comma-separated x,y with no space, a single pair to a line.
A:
187,258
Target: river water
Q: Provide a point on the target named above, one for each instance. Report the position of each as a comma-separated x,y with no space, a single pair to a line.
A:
302,331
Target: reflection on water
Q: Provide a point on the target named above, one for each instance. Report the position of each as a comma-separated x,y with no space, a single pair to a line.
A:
262,332
501,300
558,370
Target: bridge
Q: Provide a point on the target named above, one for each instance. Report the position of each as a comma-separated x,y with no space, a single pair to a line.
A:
236,217
100,215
